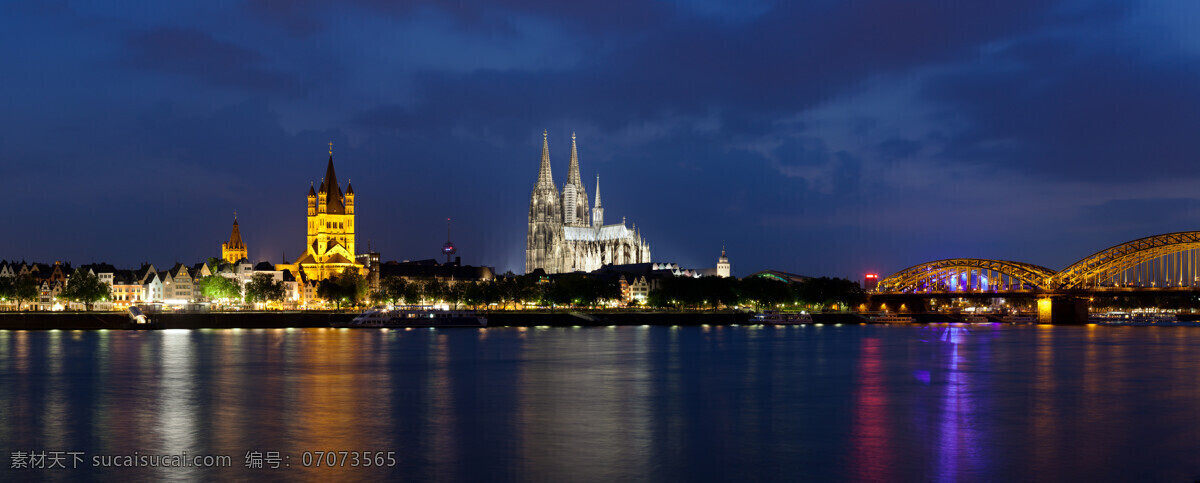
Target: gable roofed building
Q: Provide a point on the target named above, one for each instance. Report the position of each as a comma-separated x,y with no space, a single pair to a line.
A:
178,286
127,290
152,287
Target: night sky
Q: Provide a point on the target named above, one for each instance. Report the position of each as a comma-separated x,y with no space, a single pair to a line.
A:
828,138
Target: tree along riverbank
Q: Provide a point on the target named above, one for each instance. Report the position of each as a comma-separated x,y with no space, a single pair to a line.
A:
299,319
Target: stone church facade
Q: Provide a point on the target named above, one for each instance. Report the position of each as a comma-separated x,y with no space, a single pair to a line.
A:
563,238
329,244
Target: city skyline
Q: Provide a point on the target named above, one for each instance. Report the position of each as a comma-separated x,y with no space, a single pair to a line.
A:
816,139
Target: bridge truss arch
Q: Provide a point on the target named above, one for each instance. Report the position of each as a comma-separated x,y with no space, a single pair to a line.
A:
951,273
1102,267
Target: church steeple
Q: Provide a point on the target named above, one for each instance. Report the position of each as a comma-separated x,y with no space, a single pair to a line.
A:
333,192
235,249
575,197
598,211
597,190
235,237
573,169
545,177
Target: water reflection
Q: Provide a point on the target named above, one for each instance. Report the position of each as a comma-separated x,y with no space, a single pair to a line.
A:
596,391
176,422
54,406
872,448
959,431
619,403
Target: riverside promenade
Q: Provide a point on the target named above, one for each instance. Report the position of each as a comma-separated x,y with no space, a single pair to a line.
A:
299,319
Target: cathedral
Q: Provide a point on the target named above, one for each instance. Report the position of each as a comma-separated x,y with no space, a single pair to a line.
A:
563,238
329,246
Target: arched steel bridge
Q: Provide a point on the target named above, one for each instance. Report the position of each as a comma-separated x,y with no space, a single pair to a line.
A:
1160,261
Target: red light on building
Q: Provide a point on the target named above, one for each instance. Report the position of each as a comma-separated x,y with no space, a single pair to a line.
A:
871,282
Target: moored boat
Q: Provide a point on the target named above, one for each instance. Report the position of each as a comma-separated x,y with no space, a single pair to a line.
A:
892,319
1152,318
1136,318
1019,319
783,318
389,317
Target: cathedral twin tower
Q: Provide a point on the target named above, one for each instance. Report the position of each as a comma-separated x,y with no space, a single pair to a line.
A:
561,236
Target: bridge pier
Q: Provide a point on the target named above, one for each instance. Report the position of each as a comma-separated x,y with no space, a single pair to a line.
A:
1062,310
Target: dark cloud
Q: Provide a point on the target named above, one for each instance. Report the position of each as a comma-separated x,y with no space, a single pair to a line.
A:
198,55
898,148
752,73
810,136
298,17
1169,214
306,17
1074,109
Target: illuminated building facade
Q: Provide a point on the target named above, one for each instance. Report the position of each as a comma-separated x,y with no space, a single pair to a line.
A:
329,246
178,285
126,289
723,267
562,238
234,250
639,290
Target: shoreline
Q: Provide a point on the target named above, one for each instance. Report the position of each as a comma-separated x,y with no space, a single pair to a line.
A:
306,319
312,319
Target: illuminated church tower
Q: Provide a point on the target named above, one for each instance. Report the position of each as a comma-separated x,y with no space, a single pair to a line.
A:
723,268
543,248
329,246
574,195
234,250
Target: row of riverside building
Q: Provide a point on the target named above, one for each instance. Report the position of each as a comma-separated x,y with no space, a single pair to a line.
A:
147,286
329,250
563,238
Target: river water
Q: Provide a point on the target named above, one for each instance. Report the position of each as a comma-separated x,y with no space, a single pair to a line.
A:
854,402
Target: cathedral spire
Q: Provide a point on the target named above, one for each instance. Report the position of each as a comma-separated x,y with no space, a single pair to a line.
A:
575,197
597,211
545,177
573,169
597,190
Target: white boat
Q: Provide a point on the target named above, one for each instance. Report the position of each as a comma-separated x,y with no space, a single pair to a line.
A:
387,317
893,319
783,318
1151,318
1019,319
